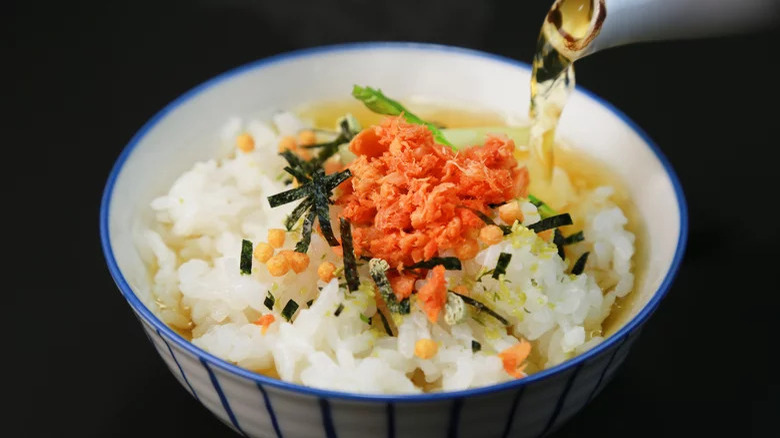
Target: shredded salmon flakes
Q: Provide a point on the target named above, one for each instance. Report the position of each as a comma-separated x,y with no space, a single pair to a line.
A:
433,294
412,198
265,321
402,284
513,358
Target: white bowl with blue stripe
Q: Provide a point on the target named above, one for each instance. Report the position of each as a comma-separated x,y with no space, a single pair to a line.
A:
255,405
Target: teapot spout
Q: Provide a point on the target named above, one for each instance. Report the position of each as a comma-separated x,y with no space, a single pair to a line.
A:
618,22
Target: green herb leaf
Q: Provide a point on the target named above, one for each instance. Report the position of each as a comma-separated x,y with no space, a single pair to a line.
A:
350,264
269,301
365,319
503,261
464,137
289,309
579,265
449,263
246,257
379,103
482,308
551,222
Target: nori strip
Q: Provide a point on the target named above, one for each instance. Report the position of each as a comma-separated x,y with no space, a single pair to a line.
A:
303,245
386,324
551,222
296,214
334,179
506,229
289,309
318,191
246,257
297,173
339,309
309,303
269,301
289,196
482,308
350,264
449,263
323,216
574,238
377,269
544,209
558,241
579,265
501,264
475,346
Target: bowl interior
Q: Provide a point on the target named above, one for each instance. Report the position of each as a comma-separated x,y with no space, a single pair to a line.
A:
188,131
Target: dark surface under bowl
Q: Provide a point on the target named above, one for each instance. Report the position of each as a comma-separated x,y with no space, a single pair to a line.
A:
95,72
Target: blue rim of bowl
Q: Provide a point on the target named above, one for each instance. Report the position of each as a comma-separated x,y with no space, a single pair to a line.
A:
182,343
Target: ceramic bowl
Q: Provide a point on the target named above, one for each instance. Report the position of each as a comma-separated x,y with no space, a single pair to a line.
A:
186,131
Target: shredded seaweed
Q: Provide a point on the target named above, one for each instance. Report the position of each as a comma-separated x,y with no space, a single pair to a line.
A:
246,257
269,301
378,268
482,308
347,131
475,346
377,102
449,263
296,214
289,309
289,196
317,188
551,222
558,240
309,303
308,224
544,209
579,265
350,264
339,309
503,261
385,323
574,238
506,229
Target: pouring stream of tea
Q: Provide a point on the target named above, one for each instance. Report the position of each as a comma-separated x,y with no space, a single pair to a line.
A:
576,28
568,24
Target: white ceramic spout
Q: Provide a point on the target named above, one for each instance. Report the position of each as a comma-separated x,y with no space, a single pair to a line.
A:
619,22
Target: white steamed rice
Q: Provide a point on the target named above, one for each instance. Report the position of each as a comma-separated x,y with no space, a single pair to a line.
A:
193,249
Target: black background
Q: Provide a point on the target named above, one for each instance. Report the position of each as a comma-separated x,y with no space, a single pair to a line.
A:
87,76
